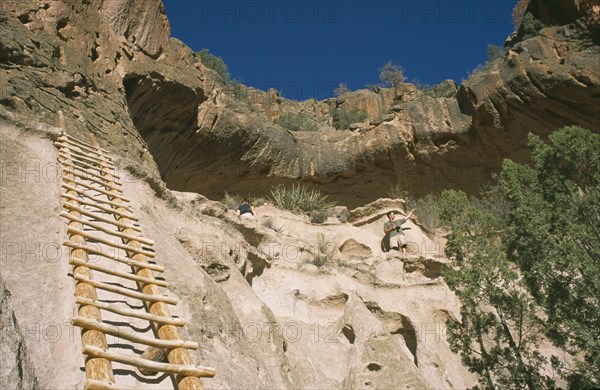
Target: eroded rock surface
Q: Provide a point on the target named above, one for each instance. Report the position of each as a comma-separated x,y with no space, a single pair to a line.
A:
270,308
113,71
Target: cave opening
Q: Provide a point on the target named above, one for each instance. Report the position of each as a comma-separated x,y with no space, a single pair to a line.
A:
165,113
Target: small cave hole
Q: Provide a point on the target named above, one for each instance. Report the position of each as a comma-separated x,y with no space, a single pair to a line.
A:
348,332
62,23
374,367
25,18
94,54
285,345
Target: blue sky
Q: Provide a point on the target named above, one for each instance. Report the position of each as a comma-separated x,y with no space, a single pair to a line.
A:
305,48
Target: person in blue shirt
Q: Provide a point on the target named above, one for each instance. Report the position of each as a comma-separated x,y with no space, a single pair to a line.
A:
247,210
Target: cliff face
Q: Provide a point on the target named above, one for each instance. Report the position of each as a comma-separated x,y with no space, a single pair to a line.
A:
113,71
370,319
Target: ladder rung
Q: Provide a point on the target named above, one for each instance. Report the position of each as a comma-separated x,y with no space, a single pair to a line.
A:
107,193
97,202
77,157
113,221
131,313
99,227
85,143
103,183
90,173
64,159
129,248
64,142
131,262
125,291
120,333
188,370
125,275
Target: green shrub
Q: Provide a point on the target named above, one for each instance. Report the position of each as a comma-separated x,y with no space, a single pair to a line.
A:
341,89
296,122
318,217
494,52
396,192
374,87
215,63
391,74
427,211
531,25
259,202
300,199
326,248
231,201
343,119
427,207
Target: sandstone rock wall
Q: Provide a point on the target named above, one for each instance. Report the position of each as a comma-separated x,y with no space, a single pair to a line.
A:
116,76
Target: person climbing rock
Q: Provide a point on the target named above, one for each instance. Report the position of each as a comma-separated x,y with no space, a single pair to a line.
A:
394,235
247,210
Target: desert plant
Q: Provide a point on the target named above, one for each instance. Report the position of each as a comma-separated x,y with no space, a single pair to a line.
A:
342,119
318,216
427,211
296,122
215,63
396,192
391,74
325,250
531,25
494,52
341,89
231,201
299,198
239,91
427,207
259,202
374,87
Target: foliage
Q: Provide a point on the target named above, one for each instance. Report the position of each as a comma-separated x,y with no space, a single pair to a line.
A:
391,74
239,91
296,122
300,199
341,89
531,25
326,248
374,87
232,202
396,192
530,248
215,63
426,88
427,207
494,52
427,211
497,332
318,216
343,119
553,233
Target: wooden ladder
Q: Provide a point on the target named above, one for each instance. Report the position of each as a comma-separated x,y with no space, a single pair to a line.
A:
113,266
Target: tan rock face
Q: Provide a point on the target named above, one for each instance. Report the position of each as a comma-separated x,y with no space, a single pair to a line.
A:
110,67
141,22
